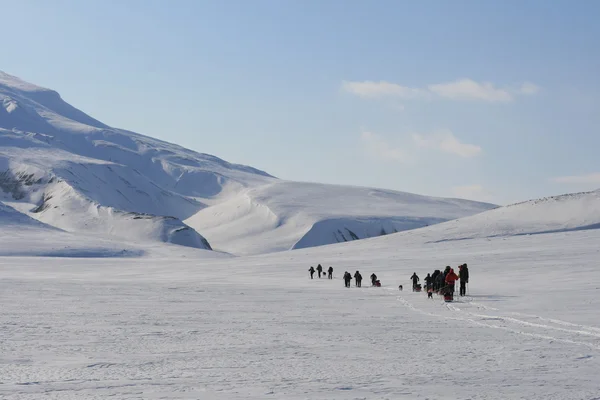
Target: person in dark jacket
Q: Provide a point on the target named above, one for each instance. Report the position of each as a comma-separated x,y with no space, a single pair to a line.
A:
434,279
347,278
373,279
330,273
358,278
312,271
415,280
319,270
428,282
439,281
463,276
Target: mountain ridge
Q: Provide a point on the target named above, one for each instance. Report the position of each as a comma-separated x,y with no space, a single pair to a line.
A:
76,173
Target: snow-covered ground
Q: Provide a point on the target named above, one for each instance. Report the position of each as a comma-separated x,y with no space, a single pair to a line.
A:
167,326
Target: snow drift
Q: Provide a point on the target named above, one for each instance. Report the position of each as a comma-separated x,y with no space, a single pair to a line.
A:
293,215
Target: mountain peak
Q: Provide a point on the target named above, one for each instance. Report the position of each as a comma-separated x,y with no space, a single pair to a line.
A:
16,83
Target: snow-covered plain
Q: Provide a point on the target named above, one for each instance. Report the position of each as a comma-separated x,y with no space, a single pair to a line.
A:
170,325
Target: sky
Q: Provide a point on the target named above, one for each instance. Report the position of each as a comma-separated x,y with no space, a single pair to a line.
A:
496,101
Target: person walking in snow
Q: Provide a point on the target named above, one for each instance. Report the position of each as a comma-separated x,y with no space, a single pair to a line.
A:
415,280
434,281
312,271
319,270
463,275
358,278
439,281
373,279
451,279
428,282
330,273
448,268
347,278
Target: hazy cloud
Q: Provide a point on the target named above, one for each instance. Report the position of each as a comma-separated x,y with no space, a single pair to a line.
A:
462,89
529,88
466,89
579,179
380,89
446,141
379,148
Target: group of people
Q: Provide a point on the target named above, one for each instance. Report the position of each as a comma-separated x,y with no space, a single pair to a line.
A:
347,276
444,282
358,279
320,271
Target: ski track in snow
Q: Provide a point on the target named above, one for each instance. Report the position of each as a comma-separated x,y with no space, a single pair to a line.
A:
571,336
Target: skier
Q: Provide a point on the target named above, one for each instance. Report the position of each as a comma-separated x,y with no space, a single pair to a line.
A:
358,278
330,273
415,280
463,275
312,271
450,279
347,278
373,279
319,270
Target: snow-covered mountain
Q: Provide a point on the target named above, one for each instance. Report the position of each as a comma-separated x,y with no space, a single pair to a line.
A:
556,214
68,170
569,212
283,215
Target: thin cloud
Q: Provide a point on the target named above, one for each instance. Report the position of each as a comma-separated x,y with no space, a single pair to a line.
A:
467,89
529,88
459,90
446,142
472,192
380,89
380,149
589,179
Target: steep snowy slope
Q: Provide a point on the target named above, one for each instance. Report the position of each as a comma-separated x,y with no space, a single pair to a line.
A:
293,215
81,175
71,171
11,218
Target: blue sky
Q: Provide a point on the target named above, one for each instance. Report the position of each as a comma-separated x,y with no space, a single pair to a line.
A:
489,100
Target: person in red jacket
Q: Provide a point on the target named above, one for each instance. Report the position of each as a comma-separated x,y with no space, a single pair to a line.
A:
451,278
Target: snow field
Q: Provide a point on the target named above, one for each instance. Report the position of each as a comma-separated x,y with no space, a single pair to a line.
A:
257,327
